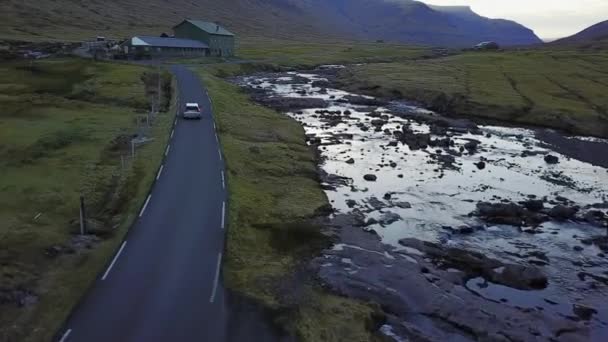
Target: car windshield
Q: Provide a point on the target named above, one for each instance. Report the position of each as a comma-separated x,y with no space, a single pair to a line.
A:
192,108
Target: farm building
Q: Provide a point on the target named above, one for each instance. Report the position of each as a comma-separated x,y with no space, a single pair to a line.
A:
219,40
160,46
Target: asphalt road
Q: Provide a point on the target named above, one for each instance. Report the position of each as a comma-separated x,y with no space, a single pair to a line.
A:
164,283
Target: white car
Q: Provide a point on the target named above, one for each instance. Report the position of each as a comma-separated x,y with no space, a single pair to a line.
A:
192,111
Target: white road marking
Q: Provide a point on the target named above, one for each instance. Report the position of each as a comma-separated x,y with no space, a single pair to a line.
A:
175,123
219,153
114,260
223,181
167,150
145,206
65,335
214,128
223,213
217,278
37,216
217,139
160,171
172,131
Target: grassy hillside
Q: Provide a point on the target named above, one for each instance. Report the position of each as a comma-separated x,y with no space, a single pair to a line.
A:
274,193
63,126
404,21
561,89
68,20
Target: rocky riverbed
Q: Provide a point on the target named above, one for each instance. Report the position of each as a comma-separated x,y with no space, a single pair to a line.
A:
462,232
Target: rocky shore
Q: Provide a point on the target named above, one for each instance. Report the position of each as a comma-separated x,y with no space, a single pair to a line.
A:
461,232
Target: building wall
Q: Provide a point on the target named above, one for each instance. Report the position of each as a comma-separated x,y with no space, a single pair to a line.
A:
164,51
219,45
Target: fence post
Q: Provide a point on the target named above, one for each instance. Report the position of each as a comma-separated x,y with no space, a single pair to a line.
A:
83,217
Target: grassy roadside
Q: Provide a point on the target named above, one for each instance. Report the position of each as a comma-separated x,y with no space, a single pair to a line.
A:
64,125
273,193
560,89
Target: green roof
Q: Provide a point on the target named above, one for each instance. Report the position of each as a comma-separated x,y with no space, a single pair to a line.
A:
209,27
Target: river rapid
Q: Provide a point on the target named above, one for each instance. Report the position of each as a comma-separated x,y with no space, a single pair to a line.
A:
460,231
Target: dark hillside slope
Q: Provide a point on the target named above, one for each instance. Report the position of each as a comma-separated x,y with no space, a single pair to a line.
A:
593,36
77,19
404,21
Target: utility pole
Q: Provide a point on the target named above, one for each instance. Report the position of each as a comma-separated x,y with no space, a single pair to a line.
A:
159,88
83,217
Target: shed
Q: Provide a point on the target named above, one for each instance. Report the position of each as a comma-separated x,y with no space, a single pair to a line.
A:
164,46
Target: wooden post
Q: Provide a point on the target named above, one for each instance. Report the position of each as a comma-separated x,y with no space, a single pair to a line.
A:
83,217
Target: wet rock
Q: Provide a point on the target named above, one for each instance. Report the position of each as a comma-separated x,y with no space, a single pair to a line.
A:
475,264
351,203
362,101
370,177
321,84
445,143
533,205
332,179
563,213
501,213
600,241
389,218
445,160
285,104
415,141
596,218
350,161
481,165
370,222
519,277
551,159
378,122
439,129
403,205
375,203
393,164
583,312
324,210
472,145
388,195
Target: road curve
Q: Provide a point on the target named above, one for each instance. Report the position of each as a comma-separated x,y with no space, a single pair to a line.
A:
164,283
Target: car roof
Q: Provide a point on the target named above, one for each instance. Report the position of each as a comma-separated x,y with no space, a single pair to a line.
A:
191,104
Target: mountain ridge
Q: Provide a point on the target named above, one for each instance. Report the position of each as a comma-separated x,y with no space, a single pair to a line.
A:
593,33
400,21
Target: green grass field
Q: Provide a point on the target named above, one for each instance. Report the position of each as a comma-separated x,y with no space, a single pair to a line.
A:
561,89
302,54
274,192
62,128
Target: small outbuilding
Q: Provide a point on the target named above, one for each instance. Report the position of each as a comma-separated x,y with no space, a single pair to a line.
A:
164,47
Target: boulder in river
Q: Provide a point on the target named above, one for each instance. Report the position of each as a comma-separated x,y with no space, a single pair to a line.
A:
533,205
562,213
551,159
370,177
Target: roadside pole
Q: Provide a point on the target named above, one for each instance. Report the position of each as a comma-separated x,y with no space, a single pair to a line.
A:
83,225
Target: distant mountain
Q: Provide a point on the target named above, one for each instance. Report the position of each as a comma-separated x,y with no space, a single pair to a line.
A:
596,34
405,21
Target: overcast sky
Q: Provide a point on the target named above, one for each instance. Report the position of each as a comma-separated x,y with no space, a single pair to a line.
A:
548,18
